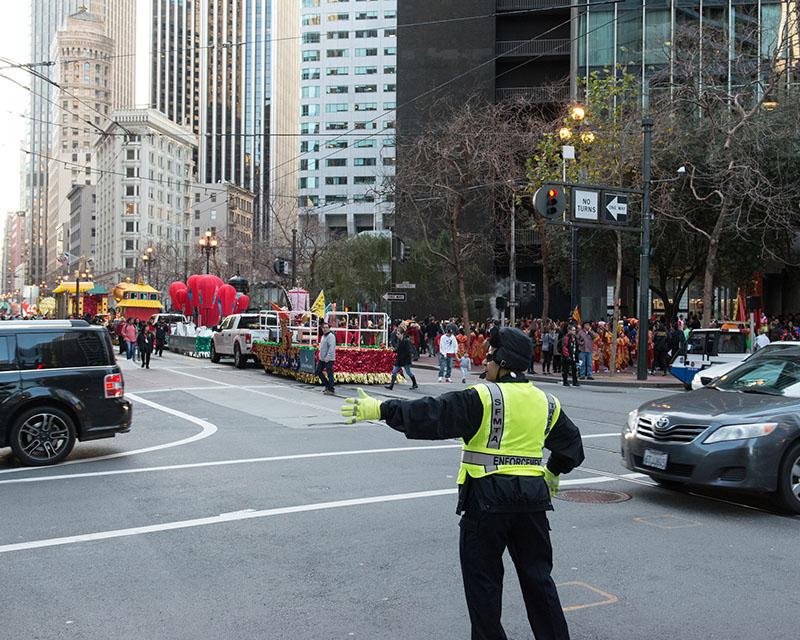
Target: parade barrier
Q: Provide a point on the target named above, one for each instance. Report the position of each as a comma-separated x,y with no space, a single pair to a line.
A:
197,347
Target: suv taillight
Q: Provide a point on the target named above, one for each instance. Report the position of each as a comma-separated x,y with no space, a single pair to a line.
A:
248,338
114,386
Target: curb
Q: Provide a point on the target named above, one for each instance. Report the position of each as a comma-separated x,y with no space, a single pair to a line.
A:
556,379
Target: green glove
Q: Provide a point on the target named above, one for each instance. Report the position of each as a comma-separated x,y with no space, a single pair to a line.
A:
362,408
552,481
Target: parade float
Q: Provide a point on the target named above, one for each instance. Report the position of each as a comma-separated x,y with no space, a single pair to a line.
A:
362,356
92,299
206,299
136,300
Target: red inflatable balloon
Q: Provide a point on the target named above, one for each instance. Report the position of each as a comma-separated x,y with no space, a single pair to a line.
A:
242,303
207,288
192,284
226,300
181,301
173,295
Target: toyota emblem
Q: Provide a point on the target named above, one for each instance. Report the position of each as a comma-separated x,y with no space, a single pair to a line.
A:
662,424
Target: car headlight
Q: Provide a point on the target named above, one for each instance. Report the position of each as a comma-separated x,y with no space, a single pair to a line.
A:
741,432
633,420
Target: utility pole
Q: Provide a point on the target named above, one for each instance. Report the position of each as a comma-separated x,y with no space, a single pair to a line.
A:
574,299
512,266
394,249
294,258
644,271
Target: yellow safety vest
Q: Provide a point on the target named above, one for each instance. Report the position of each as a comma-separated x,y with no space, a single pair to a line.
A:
516,420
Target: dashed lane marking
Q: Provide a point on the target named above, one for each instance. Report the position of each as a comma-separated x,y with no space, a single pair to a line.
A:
244,514
207,429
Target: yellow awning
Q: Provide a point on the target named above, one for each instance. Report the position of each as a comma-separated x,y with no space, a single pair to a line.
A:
144,304
69,287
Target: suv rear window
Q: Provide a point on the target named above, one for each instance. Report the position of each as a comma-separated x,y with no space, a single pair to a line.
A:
58,349
249,322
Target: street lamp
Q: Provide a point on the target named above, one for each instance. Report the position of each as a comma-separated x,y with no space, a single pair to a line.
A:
208,245
79,275
149,258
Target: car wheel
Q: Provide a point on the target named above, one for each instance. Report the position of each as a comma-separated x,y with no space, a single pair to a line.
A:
214,354
672,485
687,386
239,361
789,480
42,436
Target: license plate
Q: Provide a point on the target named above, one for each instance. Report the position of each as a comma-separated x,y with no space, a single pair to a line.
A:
655,459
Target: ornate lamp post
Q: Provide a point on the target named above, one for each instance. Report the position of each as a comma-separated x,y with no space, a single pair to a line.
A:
208,245
148,258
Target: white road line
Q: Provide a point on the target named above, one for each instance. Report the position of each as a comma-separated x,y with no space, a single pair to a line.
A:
586,436
221,463
191,375
251,386
207,429
245,514
262,393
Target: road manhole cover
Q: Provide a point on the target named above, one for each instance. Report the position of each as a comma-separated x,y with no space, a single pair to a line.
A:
592,496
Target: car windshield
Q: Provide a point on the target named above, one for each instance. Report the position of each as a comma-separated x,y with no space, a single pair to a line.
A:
775,375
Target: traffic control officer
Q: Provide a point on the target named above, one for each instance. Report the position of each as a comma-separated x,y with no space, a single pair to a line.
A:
505,487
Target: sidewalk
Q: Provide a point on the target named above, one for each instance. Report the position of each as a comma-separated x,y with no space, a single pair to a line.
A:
623,379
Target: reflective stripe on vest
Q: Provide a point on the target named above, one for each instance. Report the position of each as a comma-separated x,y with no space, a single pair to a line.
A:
491,462
498,418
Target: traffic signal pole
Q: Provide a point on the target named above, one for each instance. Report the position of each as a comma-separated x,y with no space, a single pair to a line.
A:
512,264
644,270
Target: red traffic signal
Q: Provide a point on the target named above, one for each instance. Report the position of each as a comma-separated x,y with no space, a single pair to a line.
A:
549,201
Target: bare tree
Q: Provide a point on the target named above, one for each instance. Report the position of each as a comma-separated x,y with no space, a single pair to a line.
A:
729,134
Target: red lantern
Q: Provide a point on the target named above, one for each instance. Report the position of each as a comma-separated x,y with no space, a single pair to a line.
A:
207,288
242,303
181,301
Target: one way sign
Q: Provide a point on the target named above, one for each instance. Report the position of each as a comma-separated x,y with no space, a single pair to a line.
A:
616,208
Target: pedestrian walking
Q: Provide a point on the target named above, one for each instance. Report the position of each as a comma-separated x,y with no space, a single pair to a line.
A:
432,332
504,484
145,340
660,348
585,347
327,357
161,336
549,340
129,335
569,356
403,356
448,348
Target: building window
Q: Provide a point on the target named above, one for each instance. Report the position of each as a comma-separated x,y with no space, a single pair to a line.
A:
336,53
338,89
336,162
311,55
366,106
367,15
336,126
338,35
363,53
311,20
365,144
390,51
336,180
309,110
364,180
336,107
336,144
389,162
311,73
311,38
337,71
367,33
390,70
364,162
366,88
366,71
338,17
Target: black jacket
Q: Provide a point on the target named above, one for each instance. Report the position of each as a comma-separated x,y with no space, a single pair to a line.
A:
403,351
459,414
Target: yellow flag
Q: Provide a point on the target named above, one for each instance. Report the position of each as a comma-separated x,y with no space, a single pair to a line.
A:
319,305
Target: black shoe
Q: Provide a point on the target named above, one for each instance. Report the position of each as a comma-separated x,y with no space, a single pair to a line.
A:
590,378
575,384
147,366
390,387
566,384
414,386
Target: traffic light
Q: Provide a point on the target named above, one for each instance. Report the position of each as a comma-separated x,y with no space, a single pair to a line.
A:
281,267
500,303
405,252
550,201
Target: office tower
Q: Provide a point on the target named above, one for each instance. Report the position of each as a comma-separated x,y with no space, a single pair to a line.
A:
47,17
146,166
211,69
13,252
83,72
348,89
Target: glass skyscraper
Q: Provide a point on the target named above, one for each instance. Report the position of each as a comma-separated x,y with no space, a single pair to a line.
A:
648,38
210,69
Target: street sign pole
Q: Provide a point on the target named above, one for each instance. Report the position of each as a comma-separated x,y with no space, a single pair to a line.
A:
644,271
512,264
574,270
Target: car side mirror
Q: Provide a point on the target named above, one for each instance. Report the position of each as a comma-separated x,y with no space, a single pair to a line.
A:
216,327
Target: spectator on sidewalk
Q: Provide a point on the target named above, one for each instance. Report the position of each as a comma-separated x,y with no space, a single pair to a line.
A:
448,348
569,354
432,332
549,341
327,357
585,347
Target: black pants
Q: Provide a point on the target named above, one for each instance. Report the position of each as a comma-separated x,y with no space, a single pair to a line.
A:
660,361
322,368
568,365
160,347
557,362
145,353
484,538
547,360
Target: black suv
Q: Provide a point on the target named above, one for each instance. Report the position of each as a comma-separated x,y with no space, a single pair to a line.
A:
59,381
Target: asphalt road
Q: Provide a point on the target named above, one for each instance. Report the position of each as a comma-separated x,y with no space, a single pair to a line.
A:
240,506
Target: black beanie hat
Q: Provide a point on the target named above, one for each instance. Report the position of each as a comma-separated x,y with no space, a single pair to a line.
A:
512,348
